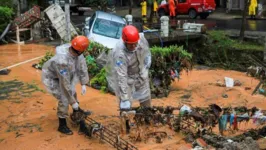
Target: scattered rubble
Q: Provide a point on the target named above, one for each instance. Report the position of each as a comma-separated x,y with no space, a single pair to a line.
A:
4,71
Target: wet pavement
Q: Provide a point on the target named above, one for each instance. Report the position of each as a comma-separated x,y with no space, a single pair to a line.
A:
251,25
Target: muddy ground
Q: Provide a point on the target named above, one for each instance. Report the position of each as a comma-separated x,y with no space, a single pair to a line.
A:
28,117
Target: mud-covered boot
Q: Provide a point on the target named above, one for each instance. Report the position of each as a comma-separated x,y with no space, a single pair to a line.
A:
63,127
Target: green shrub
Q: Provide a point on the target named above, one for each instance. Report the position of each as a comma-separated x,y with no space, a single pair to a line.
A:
6,3
5,17
99,81
219,50
91,54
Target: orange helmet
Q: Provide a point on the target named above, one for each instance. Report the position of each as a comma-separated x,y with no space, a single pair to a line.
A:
130,34
80,43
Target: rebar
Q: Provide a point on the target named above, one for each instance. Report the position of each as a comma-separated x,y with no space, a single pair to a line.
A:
110,137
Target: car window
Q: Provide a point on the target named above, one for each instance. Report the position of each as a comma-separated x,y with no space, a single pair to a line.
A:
108,28
182,1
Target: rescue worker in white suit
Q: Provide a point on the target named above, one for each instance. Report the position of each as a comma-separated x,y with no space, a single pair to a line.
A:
127,74
62,72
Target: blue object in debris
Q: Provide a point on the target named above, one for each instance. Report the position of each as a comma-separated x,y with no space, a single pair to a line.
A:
261,91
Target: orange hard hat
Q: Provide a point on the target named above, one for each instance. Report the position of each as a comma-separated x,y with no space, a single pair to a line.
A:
80,43
130,34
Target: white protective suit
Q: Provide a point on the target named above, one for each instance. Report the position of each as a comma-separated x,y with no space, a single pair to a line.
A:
61,73
127,72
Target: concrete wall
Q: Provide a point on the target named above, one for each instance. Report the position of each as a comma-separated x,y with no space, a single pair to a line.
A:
235,5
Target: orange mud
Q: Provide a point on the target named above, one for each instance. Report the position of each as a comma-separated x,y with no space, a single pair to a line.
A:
14,53
31,123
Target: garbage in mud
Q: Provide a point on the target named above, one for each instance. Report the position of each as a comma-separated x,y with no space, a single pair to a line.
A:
262,91
4,71
237,83
147,123
47,56
229,82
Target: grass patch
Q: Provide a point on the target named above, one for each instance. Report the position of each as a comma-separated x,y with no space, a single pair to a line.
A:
15,90
34,86
248,46
30,126
221,40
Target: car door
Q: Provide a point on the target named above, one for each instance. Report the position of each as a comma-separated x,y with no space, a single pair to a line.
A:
88,25
182,6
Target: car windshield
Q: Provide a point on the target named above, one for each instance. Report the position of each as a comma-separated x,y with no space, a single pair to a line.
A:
108,28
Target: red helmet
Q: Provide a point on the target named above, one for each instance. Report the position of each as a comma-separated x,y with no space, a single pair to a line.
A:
80,43
130,34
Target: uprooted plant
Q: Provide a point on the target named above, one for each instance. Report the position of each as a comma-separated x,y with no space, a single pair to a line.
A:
167,64
48,55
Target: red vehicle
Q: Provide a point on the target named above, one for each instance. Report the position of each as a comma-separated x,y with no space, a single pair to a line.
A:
193,8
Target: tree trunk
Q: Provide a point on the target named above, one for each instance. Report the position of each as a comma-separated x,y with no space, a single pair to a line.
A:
244,20
264,58
151,13
18,7
130,7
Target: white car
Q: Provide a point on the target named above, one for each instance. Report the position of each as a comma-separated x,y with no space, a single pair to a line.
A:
104,28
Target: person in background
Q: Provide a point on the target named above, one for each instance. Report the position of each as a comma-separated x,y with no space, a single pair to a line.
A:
172,7
252,8
155,7
144,11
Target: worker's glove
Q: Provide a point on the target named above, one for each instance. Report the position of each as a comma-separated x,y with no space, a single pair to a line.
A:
144,74
75,106
83,89
125,104
147,62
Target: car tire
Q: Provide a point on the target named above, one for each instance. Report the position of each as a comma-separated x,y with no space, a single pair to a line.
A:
81,13
192,14
204,16
161,12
